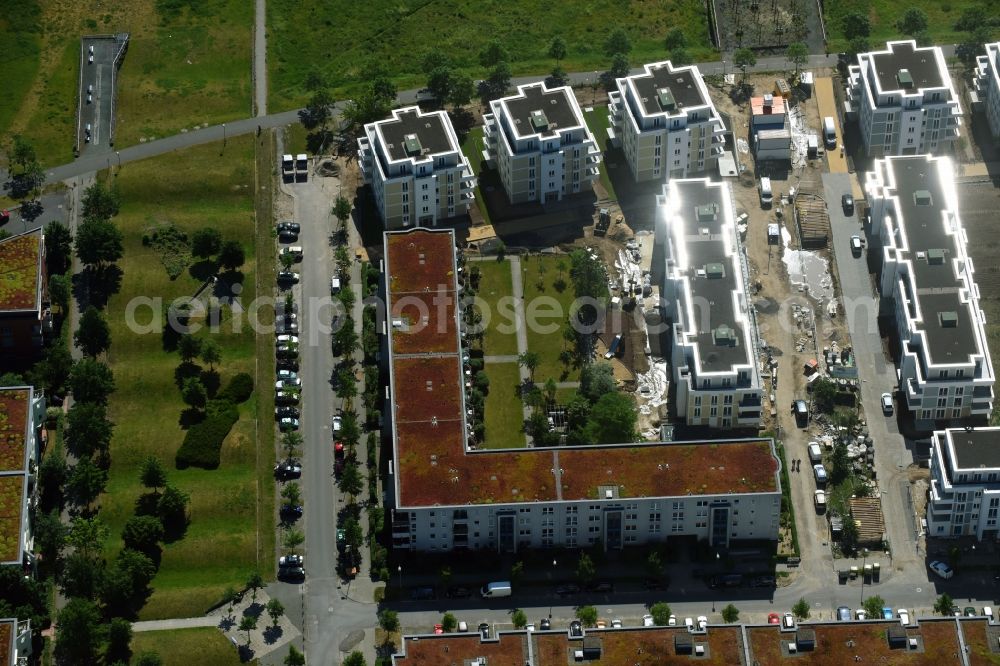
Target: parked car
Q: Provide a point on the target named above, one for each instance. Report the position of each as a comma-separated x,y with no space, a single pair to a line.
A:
856,246
484,630
337,423
647,621
291,561
969,611
286,362
286,277
689,623
463,626
702,622
291,511
282,326
286,398
886,613
942,569
788,621
887,404
672,620
286,412
601,586
801,411
820,473
819,499
292,574
283,384
295,252
289,227
763,581
847,203
288,470
422,593
773,618
288,424
568,589
575,628
601,624
287,374
454,592
438,629
860,614
904,616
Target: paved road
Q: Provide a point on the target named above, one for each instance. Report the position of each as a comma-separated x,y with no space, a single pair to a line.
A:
260,58
177,623
96,95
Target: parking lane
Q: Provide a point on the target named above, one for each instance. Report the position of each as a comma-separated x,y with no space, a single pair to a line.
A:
96,94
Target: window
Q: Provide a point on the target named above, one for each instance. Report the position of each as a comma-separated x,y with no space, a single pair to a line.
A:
955,413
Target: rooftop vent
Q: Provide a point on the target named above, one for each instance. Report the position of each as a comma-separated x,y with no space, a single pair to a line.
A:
768,101
538,121
706,213
714,271
411,144
724,336
666,99
948,319
904,78
922,198
935,257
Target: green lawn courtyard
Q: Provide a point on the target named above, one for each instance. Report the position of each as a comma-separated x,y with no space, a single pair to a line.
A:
883,14
494,285
504,409
540,275
598,123
183,647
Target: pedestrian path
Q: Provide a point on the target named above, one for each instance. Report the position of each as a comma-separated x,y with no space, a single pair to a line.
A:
827,103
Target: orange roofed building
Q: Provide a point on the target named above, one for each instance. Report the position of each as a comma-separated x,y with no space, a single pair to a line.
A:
446,495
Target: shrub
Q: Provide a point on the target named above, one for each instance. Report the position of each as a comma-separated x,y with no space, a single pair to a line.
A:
240,388
203,441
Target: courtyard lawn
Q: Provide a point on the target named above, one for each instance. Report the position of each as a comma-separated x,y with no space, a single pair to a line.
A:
495,284
504,409
941,18
472,148
341,39
191,189
181,647
539,273
598,123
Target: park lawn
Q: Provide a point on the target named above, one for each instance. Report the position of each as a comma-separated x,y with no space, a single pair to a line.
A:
472,148
598,123
495,284
182,647
190,188
340,39
941,17
21,54
564,396
504,409
548,343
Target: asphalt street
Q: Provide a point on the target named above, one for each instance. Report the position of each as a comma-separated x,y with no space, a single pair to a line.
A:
97,95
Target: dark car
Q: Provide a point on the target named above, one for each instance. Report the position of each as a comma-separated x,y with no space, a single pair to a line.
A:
568,589
293,574
763,581
422,593
458,592
847,201
801,411
288,227
601,586
655,584
844,614
291,511
286,412
575,628
545,624
484,630
288,470
287,364
288,277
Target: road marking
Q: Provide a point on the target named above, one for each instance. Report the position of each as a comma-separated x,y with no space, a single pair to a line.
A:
96,139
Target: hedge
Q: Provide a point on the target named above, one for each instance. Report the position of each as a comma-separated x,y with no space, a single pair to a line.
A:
203,442
239,390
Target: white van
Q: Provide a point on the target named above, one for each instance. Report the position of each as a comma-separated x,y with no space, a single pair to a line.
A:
334,285
815,452
497,589
829,132
766,196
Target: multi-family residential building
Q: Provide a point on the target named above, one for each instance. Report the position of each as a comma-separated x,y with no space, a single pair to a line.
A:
25,318
704,293
904,100
447,495
666,122
965,483
22,416
986,82
540,145
416,168
945,373
15,641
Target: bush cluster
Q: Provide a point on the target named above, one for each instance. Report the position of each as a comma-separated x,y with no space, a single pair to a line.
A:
203,442
239,390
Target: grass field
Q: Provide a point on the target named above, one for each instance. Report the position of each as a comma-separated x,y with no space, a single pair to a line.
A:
598,122
182,68
341,38
548,344
495,284
941,17
504,409
472,148
191,189
182,647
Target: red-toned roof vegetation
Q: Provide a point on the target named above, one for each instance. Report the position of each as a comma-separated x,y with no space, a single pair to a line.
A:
976,637
430,324
453,649
19,271
13,422
11,496
6,640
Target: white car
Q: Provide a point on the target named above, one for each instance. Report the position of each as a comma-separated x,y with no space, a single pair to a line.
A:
689,623
647,621
287,374
904,616
788,621
942,569
702,622
288,423
463,626
338,423
616,623
886,400
672,621
285,384
860,614
287,340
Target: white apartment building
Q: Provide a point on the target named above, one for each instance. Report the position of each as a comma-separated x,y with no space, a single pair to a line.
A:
539,143
945,373
965,483
22,416
446,495
666,122
904,100
704,293
416,168
986,82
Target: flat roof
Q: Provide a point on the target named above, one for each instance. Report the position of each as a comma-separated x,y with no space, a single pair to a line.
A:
975,449
777,108
433,465
681,82
431,131
920,62
927,215
702,233
14,403
557,104
7,628
21,272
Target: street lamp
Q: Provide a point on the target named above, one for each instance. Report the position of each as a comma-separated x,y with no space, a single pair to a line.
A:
553,575
864,563
399,569
118,154
717,558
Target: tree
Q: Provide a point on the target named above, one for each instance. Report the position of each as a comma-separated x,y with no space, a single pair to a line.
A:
54,370
87,536
193,392
293,539
558,75
499,78
355,659
151,658
231,255
22,153
973,45
189,347
143,533
294,658
529,360
597,379
797,54
351,481
587,615
619,66
88,428
389,621
675,39
824,394
971,19
840,467
98,242
585,569
944,605
119,637
275,609
439,83
493,53
100,202
661,613
518,618
248,623
617,42
849,535
730,614
93,335
462,90
557,48
913,22
255,582
50,535
858,45
744,59
317,110
801,609
206,242
589,278
291,441
434,59
873,606
612,419
680,57
59,291
342,209
171,507
211,353
29,173
856,24
80,632
292,494
449,622
58,249
86,481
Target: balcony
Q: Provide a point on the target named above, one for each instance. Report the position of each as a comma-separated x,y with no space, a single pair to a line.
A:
591,173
